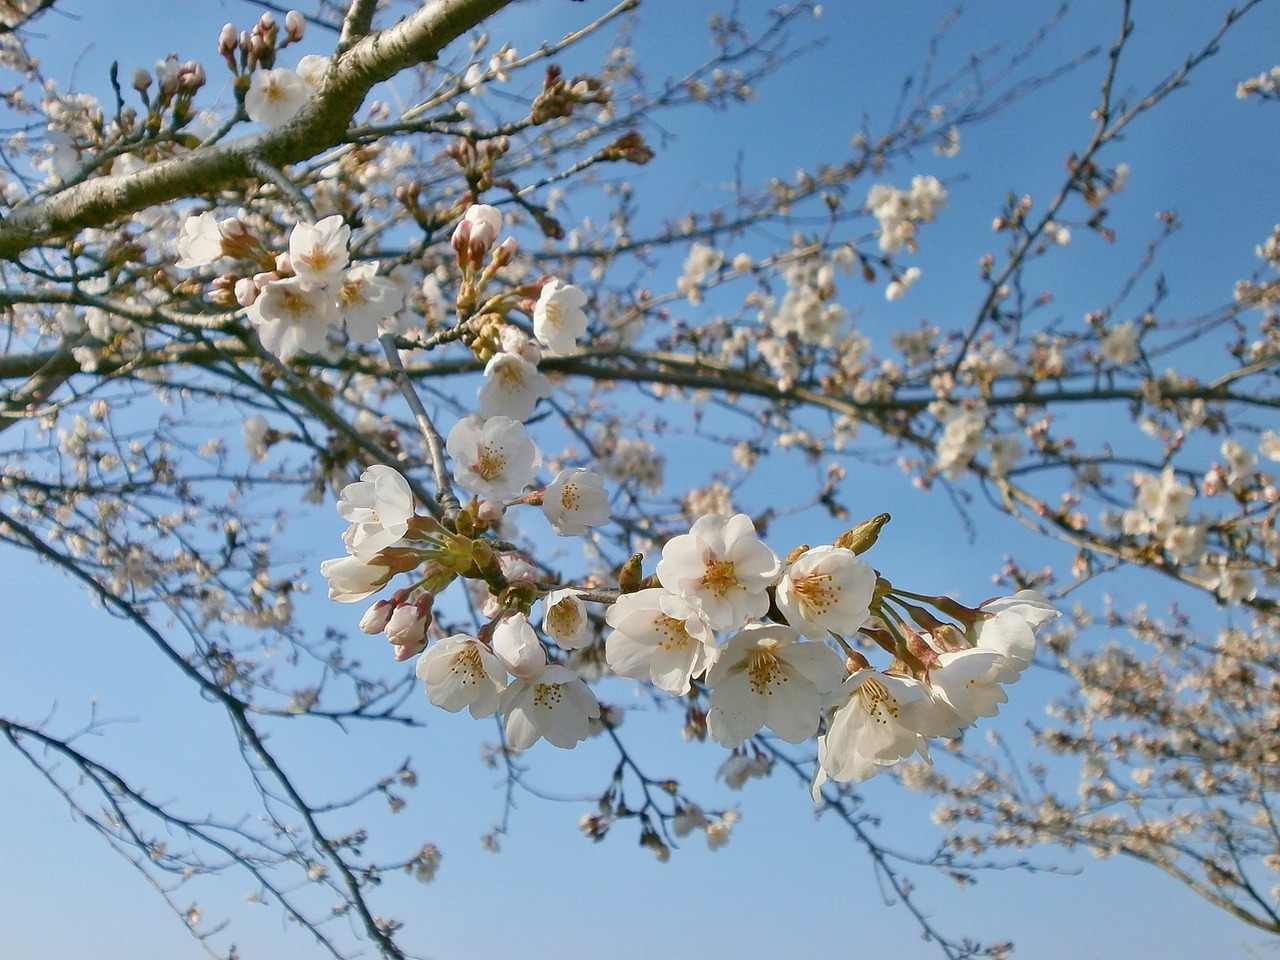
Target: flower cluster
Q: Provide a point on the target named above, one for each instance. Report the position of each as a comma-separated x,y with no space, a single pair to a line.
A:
296,299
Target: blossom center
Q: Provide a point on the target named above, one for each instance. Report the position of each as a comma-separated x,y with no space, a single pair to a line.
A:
467,667
318,258
490,463
570,499
880,704
817,592
763,670
564,618
721,577
673,633
547,695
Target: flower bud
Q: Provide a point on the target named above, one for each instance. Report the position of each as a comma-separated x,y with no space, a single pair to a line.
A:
228,41
376,617
141,80
294,25
863,537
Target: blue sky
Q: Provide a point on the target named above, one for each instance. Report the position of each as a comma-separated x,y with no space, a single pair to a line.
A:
785,885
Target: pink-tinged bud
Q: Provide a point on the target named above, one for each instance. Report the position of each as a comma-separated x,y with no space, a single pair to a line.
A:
461,241
284,264
407,626
376,617
247,292
262,279
405,651
228,40
491,510
294,25
506,252
267,23
191,78
222,290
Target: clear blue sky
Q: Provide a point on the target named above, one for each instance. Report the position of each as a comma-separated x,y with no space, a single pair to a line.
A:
785,885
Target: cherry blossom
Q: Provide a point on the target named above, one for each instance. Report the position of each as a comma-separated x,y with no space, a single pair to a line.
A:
292,317
558,317
565,619
355,578
827,589
364,299
275,96
379,507
459,671
575,501
493,460
1011,631
659,636
318,251
512,387
868,729
766,676
724,565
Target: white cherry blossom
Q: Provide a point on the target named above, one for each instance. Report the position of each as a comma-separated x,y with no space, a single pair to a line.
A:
724,565
558,317
354,578
575,501
275,96
869,728
512,387
460,671
318,251
292,317
493,460
565,619
365,298
659,636
379,507
1011,631
827,589
766,676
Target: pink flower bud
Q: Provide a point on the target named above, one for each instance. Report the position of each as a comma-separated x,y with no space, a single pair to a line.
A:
284,265
491,510
247,292
294,25
228,40
376,617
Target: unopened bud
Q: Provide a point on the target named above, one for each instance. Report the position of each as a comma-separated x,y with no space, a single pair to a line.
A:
629,577
376,617
141,80
228,41
294,25
863,537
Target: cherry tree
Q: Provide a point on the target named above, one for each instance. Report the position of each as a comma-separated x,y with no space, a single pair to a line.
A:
554,426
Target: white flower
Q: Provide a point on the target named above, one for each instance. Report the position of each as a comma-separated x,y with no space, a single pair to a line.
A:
518,647
254,432
1011,631
721,563
963,685
364,299
1269,444
766,676
354,578
827,589
275,96
574,501
554,705
558,317
897,289
512,387
868,730
741,767
565,619
378,507
660,637
311,69
200,243
494,460
1120,344
318,251
460,671
291,317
